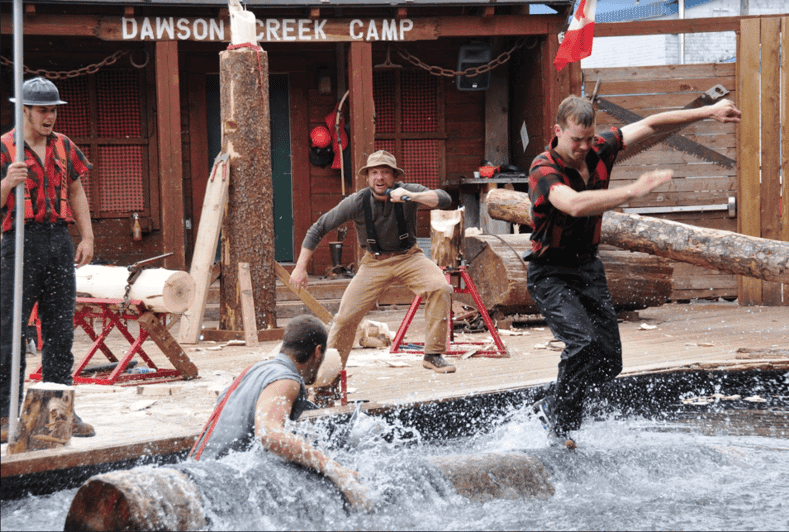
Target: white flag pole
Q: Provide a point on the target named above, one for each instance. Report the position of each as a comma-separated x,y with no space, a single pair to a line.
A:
19,191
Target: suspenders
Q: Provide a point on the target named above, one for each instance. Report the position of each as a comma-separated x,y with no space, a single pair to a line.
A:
372,235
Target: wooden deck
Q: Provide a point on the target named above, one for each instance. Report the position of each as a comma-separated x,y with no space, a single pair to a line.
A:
157,419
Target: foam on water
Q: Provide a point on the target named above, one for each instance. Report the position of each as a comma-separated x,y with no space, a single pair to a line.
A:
626,474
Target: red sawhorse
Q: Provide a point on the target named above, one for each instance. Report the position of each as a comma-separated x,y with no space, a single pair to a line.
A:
496,350
115,316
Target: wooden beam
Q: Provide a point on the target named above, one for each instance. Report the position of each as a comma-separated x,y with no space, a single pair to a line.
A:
748,189
362,111
168,104
313,304
671,26
770,192
247,305
785,136
204,271
169,346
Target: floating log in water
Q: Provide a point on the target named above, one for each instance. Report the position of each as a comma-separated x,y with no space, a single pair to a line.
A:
636,280
144,498
159,289
161,498
495,476
713,249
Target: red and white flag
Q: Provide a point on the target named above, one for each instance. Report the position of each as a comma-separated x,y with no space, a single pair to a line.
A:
577,42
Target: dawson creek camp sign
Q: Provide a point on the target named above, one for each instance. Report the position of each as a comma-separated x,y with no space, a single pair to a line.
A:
269,30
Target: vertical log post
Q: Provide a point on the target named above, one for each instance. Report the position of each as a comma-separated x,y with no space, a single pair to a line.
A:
248,227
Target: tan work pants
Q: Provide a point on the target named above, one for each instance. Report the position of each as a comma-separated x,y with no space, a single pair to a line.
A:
414,270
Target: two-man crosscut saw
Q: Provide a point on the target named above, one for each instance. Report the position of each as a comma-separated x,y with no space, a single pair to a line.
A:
670,137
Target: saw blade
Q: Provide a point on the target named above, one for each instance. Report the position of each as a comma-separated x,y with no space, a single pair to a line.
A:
669,137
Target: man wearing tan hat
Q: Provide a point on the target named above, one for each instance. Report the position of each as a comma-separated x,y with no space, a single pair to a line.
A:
385,219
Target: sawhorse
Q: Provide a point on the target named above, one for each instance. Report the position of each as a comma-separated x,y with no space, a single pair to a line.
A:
115,316
468,288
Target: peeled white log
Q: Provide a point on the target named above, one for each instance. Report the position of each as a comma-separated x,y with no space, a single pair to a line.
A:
160,290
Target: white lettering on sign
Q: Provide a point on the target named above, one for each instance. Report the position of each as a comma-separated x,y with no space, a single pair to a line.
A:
271,29
164,25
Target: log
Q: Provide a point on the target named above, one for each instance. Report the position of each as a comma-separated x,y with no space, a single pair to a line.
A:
713,249
636,280
483,477
248,225
160,290
247,305
47,419
446,237
143,498
162,498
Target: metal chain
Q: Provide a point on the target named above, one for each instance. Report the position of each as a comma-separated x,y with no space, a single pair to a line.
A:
63,74
469,72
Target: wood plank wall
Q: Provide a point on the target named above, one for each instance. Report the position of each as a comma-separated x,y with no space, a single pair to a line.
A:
761,155
697,184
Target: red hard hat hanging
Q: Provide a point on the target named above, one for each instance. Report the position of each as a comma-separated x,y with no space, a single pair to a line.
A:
320,137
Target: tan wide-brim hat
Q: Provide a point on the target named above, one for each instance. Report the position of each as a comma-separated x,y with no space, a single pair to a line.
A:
381,158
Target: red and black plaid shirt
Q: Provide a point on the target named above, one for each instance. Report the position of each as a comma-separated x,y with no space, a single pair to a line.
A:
44,182
550,226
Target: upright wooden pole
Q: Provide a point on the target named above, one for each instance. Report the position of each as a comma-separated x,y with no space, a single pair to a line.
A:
362,115
170,160
749,290
248,227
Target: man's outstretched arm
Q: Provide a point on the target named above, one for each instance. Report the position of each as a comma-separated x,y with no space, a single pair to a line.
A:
722,111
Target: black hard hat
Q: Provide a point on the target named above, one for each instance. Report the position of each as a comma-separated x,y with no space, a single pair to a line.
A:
39,91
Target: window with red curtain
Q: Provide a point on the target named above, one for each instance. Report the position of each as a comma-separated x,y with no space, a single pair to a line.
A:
409,122
105,117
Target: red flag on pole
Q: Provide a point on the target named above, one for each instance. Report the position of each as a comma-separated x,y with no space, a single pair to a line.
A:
577,42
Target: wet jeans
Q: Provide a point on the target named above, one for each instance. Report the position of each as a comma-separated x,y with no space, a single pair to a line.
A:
412,269
577,306
49,279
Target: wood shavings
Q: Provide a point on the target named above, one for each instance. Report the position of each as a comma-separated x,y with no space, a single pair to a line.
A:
647,327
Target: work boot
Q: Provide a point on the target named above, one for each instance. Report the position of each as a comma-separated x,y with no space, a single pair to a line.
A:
437,363
4,430
80,429
544,410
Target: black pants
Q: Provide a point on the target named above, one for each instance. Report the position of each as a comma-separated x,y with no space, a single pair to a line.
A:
577,306
50,280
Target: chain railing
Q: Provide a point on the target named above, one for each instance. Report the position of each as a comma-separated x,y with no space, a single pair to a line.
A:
471,71
89,69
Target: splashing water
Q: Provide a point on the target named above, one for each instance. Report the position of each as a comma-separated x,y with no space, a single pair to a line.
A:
626,474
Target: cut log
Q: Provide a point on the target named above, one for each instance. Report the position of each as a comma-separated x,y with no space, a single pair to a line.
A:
144,498
636,280
714,249
47,419
160,290
446,237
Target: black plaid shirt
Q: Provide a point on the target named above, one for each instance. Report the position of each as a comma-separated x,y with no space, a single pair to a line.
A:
550,226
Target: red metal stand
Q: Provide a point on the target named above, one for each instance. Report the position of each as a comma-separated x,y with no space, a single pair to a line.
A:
452,348
114,317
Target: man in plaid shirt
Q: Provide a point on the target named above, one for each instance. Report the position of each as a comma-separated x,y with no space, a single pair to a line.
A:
568,188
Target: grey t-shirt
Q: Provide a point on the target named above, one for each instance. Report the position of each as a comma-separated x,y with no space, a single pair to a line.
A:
235,430
351,208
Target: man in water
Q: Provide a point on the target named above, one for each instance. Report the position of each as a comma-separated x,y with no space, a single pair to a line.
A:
257,405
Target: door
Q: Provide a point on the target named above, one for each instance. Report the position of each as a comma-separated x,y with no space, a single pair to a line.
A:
281,172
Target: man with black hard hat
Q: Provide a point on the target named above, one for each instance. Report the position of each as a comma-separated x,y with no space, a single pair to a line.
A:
53,199
385,219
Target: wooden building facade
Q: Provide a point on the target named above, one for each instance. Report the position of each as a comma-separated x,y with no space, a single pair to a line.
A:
142,85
